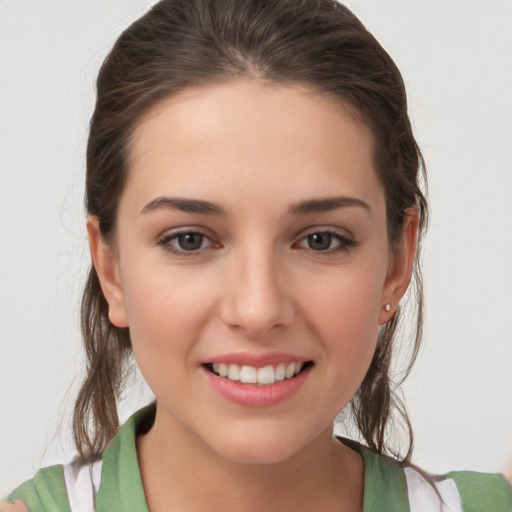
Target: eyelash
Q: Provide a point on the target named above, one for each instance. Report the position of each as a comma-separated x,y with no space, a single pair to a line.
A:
166,242
343,242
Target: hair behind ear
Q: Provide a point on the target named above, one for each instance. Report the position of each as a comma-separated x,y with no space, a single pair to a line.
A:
108,348
375,399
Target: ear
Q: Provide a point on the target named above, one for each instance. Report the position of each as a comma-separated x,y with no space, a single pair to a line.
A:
400,265
106,264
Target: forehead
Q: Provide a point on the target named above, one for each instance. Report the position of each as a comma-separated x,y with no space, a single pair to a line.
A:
251,137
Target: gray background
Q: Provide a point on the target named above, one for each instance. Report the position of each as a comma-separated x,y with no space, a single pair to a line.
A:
455,56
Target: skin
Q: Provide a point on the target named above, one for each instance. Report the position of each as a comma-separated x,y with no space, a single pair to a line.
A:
256,286
13,507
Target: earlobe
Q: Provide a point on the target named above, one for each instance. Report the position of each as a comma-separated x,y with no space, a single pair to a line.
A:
106,264
400,266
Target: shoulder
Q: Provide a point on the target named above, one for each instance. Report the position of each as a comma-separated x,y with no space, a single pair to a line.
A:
57,489
76,486
388,486
488,492
46,491
458,491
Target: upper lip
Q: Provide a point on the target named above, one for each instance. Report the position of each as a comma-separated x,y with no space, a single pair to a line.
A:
256,360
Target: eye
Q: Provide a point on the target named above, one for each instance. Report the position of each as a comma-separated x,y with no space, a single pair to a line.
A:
319,241
325,241
184,242
189,241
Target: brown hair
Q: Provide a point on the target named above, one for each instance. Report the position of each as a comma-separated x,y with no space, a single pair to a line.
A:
180,43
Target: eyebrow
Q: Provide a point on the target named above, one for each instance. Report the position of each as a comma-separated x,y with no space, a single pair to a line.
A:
208,208
327,204
184,205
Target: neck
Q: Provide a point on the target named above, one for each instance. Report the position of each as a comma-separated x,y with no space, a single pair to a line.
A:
180,472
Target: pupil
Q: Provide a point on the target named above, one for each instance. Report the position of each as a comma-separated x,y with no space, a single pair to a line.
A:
190,241
320,241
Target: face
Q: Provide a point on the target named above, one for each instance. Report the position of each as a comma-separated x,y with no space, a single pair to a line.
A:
251,264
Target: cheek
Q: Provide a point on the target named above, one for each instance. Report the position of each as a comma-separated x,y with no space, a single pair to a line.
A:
347,301
157,293
344,313
166,311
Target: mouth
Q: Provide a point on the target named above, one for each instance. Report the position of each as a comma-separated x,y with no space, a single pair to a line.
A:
263,376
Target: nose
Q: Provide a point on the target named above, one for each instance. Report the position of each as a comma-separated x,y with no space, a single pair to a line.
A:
257,297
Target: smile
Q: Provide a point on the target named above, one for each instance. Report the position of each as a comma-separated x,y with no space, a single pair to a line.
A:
266,375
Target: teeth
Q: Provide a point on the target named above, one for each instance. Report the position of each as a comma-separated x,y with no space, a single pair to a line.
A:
248,375
280,371
266,375
234,372
251,375
290,370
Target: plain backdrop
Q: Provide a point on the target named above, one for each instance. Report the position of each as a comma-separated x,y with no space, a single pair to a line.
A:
455,56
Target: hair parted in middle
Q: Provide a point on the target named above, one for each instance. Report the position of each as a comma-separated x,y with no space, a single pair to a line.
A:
183,43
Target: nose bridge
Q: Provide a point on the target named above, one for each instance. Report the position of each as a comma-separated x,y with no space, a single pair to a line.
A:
257,300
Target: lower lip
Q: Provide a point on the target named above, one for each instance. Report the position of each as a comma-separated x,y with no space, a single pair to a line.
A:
253,395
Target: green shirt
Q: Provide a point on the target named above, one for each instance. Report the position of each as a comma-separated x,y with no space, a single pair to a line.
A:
120,489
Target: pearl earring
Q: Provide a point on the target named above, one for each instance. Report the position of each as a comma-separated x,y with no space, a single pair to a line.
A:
387,307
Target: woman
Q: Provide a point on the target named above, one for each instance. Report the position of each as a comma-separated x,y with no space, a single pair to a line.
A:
254,214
